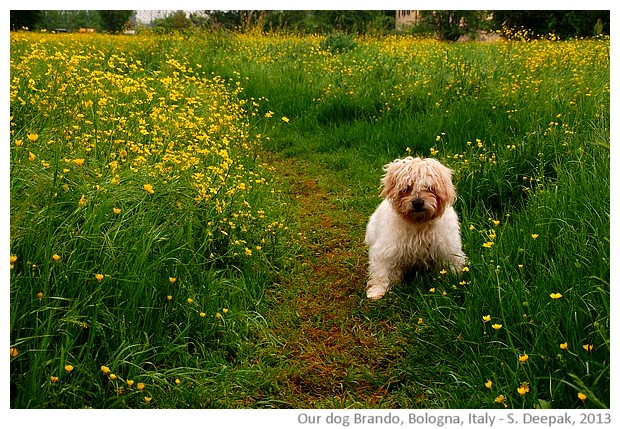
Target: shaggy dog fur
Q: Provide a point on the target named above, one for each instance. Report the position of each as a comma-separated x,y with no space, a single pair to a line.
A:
415,226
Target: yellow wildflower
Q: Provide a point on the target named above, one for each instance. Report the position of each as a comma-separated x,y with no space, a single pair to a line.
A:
555,296
285,119
33,137
582,396
68,368
534,236
564,346
105,369
501,399
99,277
189,300
116,210
172,279
488,384
78,161
40,296
56,257
112,377
31,156
53,379
149,188
140,386
82,201
14,352
523,358
177,381
523,389
496,326
129,383
202,314
148,399
588,347
486,318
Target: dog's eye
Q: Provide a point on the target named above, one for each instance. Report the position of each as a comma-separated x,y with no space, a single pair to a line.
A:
407,190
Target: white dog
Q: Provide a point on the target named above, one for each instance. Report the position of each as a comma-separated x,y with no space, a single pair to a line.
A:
415,226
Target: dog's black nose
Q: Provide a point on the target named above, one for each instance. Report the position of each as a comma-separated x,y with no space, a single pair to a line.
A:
418,204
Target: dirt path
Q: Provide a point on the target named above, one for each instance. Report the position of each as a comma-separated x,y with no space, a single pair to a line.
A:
338,354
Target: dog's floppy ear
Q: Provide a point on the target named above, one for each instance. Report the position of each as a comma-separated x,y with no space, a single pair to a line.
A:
442,184
390,179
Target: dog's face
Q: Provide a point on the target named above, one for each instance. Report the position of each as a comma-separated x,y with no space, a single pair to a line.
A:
419,188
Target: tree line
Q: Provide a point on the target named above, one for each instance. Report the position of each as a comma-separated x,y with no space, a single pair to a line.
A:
445,24
110,21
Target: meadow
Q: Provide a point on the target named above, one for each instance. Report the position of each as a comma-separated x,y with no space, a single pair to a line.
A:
187,219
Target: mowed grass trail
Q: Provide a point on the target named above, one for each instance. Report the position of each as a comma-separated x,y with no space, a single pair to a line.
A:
334,354
188,216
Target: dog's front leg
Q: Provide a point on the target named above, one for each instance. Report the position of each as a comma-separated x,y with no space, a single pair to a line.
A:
380,279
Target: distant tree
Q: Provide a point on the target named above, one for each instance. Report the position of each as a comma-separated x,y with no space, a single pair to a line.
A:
25,19
383,23
229,19
452,24
70,19
307,21
564,23
286,19
115,21
175,21
199,20
351,21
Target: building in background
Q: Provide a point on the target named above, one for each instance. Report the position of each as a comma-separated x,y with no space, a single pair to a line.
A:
405,18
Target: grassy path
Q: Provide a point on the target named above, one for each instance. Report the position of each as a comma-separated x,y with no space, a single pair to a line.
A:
337,353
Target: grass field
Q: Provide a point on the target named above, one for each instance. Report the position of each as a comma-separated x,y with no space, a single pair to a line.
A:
188,213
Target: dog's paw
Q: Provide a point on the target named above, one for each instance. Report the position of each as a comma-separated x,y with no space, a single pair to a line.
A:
375,292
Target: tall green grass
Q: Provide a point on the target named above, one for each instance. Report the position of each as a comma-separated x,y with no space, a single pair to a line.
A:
143,231
523,124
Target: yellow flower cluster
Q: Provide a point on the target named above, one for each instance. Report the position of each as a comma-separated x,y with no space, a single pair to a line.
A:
174,130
